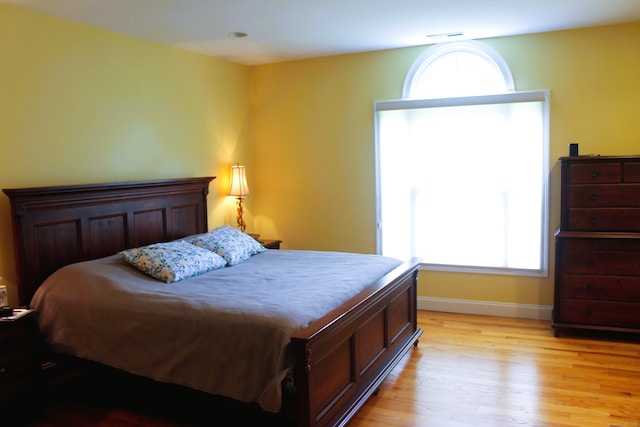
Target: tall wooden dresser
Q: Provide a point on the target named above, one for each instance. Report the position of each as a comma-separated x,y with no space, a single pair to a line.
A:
597,276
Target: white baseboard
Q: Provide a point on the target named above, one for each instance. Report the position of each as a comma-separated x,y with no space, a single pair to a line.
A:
488,308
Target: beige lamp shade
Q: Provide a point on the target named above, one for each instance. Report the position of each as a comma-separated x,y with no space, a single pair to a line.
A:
238,186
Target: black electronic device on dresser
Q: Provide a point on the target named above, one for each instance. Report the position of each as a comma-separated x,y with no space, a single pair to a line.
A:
20,368
597,277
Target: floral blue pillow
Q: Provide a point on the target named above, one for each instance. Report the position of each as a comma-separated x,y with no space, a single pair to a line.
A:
231,244
173,261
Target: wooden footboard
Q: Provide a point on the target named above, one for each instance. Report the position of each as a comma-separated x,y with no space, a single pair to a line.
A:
343,357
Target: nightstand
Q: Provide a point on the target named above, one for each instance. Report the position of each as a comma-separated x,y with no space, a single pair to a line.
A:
271,244
20,369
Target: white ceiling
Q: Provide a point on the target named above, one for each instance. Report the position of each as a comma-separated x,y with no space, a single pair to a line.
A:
280,30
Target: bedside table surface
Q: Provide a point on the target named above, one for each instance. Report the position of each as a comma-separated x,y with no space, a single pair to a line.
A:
270,244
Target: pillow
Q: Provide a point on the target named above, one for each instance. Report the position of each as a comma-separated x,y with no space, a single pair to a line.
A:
231,244
172,261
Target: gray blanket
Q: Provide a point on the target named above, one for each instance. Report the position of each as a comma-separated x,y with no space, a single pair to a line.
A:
226,332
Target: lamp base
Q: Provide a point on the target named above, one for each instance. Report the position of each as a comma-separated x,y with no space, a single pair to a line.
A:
241,224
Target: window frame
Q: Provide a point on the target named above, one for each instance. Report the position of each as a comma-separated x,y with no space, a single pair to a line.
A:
509,96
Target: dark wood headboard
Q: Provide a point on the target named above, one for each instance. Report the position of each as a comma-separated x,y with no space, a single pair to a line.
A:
56,226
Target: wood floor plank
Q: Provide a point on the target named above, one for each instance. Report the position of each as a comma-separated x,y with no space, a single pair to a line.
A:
466,371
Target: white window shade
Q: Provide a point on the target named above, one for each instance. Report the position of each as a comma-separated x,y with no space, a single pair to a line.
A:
462,182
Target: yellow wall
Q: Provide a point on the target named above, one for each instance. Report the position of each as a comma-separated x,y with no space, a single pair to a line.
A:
83,105
314,139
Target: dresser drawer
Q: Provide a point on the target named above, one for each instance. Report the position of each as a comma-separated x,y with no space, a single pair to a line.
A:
601,244
603,195
611,263
595,172
604,219
600,313
606,288
631,171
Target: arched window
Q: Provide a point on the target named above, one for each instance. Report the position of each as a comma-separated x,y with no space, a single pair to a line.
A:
457,69
462,165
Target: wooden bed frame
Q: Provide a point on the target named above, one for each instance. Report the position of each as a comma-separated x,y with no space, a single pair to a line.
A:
340,360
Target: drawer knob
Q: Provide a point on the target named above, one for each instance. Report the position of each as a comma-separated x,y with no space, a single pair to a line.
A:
594,197
2,370
589,287
593,220
590,263
594,174
588,312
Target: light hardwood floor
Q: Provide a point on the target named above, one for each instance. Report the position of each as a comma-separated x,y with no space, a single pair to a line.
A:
492,371
466,371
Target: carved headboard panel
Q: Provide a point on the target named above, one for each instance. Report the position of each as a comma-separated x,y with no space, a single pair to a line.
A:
56,226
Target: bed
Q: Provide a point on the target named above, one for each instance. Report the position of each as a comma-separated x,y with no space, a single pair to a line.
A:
335,352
